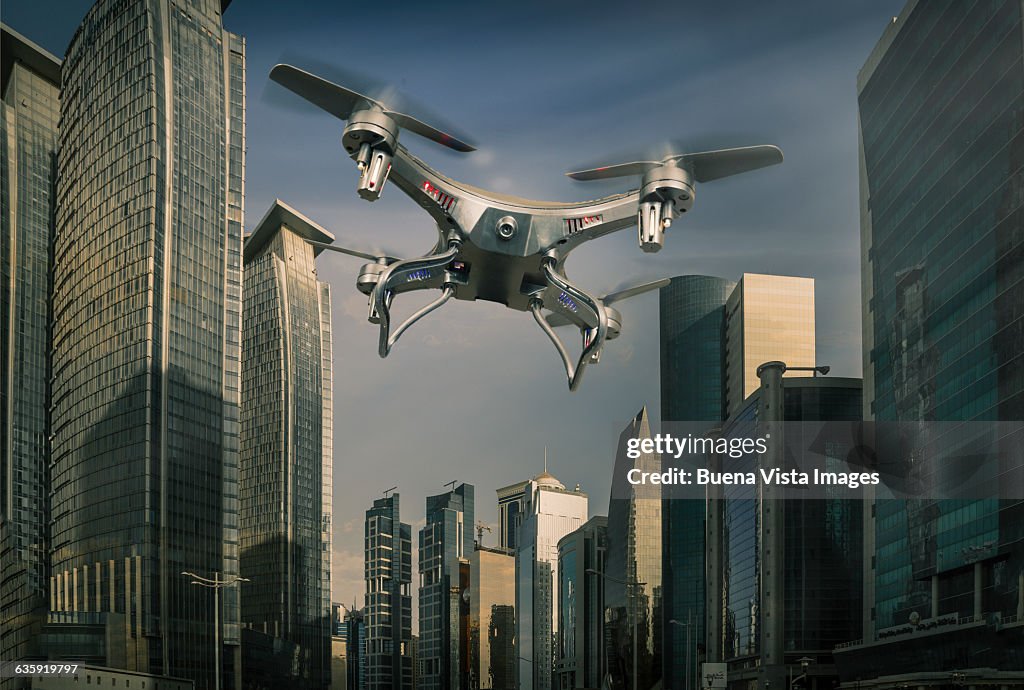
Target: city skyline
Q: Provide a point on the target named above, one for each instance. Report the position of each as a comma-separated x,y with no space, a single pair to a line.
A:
531,125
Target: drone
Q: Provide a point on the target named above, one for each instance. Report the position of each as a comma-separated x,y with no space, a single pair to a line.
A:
502,248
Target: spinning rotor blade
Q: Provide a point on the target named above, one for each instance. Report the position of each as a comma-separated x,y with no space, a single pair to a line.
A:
705,166
714,165
626,293
607,172
354,252
341,102
556,319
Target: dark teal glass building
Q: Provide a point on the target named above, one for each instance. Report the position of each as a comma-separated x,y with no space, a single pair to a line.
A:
388,576
692,318
941,107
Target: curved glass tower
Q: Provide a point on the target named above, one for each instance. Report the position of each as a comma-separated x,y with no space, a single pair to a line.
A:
146,312
285,474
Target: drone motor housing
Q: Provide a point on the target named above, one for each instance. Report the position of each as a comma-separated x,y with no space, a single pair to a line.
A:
370,139
666,192
614,322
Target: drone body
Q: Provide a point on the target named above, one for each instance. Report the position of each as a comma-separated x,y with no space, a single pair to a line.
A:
501,248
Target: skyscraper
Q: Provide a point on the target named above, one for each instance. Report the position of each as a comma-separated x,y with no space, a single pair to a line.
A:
511,500
785,585
692,321
286,448
29,85
551,511
768,317
714,334
492,598
146,332
388,574
633,562
579,653
941,187
445,544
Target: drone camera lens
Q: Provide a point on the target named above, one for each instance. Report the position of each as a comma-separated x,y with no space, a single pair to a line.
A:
506,227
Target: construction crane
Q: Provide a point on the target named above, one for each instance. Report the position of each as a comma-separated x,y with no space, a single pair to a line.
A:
480,527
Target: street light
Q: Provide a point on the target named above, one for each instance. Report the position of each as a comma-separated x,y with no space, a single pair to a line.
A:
688,625
636,618
216,584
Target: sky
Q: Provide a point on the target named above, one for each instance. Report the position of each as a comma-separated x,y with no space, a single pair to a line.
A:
475,392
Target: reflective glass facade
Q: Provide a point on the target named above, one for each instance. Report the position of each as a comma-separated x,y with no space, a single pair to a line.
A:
942,149
445,543
768,318
692,319
580,662
388,573
633,587
146,330
492,593
821,545
29,111
285,470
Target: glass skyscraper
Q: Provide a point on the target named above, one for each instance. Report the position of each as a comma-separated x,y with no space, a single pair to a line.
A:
286,449
146,332
445,544
29,111
692,320
511,500
388,574
579,657
633,562
492,598
941,110
817,552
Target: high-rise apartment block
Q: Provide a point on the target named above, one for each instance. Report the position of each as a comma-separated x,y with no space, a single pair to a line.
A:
30,107
286,452
147,290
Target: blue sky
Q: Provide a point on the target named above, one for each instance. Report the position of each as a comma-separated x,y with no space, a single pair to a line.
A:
476,392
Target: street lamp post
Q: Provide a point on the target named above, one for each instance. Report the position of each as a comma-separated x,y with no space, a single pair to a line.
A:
216,584
689,624
636,618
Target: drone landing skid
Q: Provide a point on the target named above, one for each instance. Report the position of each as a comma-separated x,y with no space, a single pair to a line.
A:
593,337
397,274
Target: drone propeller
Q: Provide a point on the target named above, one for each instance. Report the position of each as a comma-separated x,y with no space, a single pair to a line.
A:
556,319
342,102
705,166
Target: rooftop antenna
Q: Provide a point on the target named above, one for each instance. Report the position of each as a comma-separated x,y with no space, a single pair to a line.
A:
451,484
387,491
545,459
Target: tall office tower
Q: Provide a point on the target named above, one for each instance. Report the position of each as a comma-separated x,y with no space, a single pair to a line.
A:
692,319
768,317
551,511
146,333
492,599
511,500
633,562
579,652
784,575
941,187
286,453
29,87
355,653
445,545
388,573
